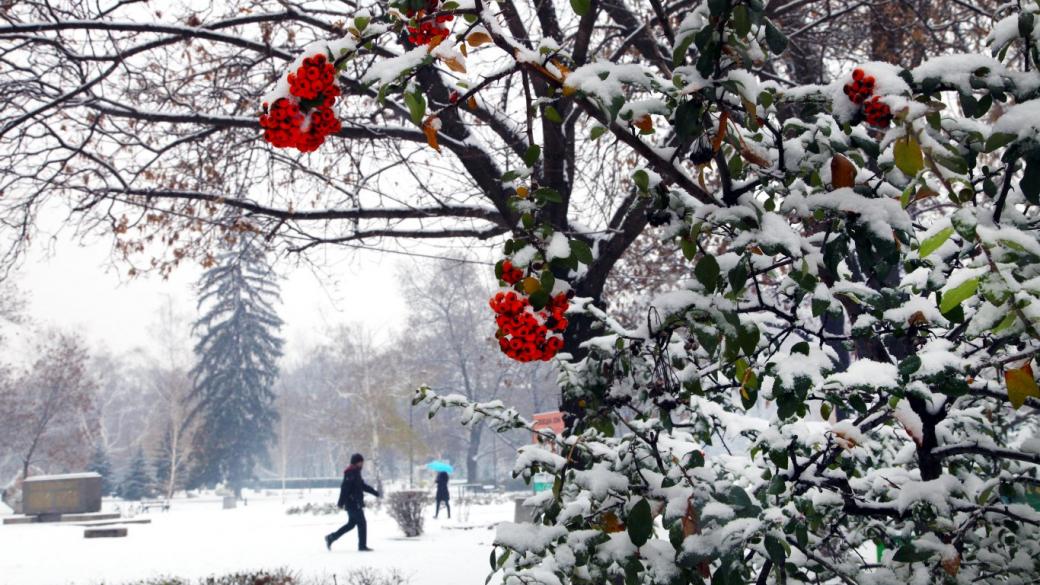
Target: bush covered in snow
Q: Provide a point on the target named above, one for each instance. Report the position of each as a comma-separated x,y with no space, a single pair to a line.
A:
360,576
316,509
406,507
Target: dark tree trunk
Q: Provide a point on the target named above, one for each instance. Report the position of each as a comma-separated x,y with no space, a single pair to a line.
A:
471,453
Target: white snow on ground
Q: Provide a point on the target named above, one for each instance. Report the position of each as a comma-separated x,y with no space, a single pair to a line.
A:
197,538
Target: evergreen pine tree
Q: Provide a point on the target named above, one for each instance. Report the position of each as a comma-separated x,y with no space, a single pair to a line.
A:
101,465
236,367
161,461
137,484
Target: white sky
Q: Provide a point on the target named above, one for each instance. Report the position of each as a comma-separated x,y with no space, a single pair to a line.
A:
75,287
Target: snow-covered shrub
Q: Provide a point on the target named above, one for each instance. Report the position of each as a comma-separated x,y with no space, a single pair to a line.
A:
371,576
406,507
316,509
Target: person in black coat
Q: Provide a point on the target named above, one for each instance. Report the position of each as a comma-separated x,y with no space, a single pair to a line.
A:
442,494
352,499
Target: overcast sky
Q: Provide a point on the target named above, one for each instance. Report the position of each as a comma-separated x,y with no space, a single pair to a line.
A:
75,287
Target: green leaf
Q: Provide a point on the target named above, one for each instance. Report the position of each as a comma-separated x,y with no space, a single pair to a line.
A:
539,299
597,131
548,280
777,551
909,554
642,180
549,195
998,140
581,251
416,106
741,20
908,156
640,523
957,295
581,7
679,53
1008,321
695,459
689,248
1025,24
531,156
552,115
933,242
774,38
707,272
909,365
1030,183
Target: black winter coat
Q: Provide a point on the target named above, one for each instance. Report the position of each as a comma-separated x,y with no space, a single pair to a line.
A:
442,486
351,491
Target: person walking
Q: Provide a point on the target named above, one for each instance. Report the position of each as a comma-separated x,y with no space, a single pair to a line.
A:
442,494
352,499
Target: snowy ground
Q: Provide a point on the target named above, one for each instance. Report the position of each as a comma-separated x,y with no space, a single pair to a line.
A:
197,538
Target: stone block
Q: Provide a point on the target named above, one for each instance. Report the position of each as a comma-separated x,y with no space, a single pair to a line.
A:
50,495
108,532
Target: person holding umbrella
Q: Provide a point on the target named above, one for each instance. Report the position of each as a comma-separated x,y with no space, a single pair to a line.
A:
442,469
352,499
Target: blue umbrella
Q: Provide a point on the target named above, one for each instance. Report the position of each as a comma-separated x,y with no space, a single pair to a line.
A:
440,466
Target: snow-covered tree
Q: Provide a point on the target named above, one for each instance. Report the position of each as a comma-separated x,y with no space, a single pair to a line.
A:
861,253
236,366
102,465
138,482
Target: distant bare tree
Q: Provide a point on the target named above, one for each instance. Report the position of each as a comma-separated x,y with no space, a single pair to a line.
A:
42,408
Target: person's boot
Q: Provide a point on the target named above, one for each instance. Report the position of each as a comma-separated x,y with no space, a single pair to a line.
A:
328,542
364,549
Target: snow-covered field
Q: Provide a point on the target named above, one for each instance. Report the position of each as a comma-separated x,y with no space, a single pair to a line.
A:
197,538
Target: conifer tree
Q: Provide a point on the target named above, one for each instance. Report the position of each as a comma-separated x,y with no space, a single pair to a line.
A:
236,367
137,484
102,465
161,462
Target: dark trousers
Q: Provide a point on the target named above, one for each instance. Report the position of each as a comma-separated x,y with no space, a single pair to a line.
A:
355,517
446,505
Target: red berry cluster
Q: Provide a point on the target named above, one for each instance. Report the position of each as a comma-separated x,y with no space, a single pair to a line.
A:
428,30
876,111
861,87
527,335
304,120
511,274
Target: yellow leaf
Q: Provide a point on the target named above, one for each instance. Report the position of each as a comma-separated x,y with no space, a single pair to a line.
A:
454,64
475,39
531,285
472,102
521,192
1020,385
429,128
908,156
843,172
463,49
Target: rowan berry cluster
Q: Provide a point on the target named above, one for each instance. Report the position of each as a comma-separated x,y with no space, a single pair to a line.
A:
511,274
527,335
861,87
876,111
428,30
304,119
